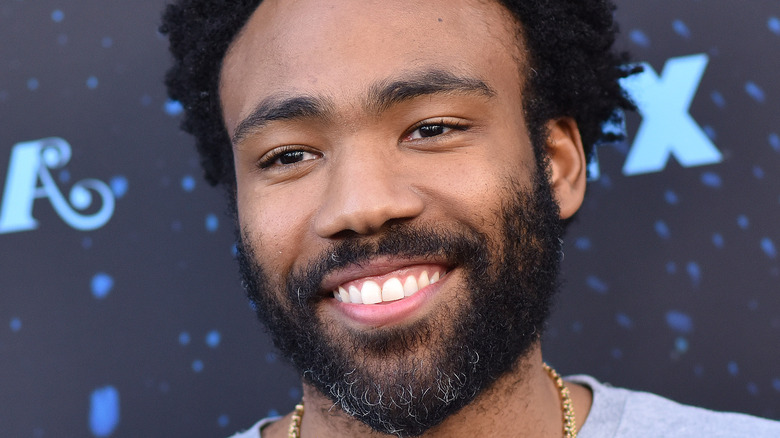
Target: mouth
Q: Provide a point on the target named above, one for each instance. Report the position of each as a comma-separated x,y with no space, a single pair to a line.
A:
380,283
394,286
385,292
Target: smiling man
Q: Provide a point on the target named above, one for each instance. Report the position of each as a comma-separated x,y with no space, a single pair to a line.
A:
401,173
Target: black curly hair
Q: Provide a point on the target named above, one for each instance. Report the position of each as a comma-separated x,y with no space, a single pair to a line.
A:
571,69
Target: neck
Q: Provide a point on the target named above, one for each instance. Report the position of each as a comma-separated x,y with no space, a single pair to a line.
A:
523,403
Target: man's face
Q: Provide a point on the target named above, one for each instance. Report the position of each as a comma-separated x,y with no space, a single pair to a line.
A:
378,147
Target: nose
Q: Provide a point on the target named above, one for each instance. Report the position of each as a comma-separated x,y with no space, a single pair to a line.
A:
364,194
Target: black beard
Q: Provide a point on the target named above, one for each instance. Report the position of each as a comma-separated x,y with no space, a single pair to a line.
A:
404,381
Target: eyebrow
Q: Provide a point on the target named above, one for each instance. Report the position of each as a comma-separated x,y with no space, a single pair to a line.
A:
381,96
384,95
281,108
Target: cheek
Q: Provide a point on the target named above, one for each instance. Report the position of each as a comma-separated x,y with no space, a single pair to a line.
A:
278,225
473,188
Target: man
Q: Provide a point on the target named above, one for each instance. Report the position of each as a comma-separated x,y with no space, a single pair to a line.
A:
401,173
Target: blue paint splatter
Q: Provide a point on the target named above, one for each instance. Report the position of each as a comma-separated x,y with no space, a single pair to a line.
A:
104,411
86,242
776,384
768,246
679,321
164,387
106,42
188,183
271,357
213,338
743,222
624,321
273,413
33,84
774,25
223,420
694,272
101,285
597,284
119,186
15,324
733,368
639,38
717,240
711,133
774,141
671,197
173,107
755,92
294,393
583,243
605,181
711,179
681,29
57,16
681,345
234,250
662,229
758,172
752,388
92,82
184,338
718,99
212,222
197,365
671,268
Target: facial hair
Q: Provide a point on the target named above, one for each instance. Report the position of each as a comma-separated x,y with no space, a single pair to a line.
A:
404,381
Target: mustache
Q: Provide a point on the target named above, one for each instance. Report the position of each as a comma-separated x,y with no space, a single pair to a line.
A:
399,240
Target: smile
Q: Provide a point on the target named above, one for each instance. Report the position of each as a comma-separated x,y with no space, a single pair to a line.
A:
391,287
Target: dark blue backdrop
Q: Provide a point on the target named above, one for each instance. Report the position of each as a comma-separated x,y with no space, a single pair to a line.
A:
120,309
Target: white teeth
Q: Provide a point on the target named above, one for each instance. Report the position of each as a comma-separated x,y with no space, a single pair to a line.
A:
410,286
371,293
423,280
343,295
392,290
354,295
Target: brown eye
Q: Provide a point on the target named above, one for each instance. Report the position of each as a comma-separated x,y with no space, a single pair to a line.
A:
428,131
432,130
286,156
291,157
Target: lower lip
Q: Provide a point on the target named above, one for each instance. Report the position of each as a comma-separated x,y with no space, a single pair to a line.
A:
388,313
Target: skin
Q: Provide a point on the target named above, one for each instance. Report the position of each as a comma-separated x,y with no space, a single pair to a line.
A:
354,166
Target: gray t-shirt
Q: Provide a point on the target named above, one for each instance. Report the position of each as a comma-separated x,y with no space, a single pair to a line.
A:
622,413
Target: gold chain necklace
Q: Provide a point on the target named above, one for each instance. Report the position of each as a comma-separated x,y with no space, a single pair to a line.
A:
569,425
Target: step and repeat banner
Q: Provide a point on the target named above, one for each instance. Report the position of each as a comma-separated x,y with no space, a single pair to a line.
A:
121,312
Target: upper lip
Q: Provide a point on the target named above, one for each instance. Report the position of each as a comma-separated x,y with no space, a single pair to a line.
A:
374,268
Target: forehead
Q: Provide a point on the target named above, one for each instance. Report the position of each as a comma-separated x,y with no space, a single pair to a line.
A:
341,48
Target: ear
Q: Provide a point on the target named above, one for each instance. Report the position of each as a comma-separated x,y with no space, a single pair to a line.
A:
567,165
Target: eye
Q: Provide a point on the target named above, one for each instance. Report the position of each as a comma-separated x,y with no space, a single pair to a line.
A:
286,156
428,129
